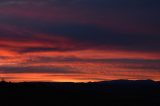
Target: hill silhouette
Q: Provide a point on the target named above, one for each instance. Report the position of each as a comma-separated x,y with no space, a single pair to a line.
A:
105,93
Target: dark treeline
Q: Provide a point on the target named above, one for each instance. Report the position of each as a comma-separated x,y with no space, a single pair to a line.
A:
106,93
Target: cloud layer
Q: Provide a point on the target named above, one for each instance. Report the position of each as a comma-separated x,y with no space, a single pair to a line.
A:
75,40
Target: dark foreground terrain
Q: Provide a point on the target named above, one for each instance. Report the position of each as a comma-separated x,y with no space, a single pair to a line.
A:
111,93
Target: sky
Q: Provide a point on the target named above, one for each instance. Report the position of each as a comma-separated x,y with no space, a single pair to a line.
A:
79,40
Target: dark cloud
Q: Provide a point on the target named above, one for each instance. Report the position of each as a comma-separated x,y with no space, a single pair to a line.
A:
36,69
44,59
144,13
91,35
93,2
134,64
45,49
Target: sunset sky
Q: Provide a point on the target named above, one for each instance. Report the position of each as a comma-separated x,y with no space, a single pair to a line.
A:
79,40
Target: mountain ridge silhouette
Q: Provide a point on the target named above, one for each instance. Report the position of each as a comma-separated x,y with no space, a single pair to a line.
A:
105,93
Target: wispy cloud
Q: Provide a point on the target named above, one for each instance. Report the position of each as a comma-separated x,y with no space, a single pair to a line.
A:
95,39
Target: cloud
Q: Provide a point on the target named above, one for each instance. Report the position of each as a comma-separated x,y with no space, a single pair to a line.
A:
74,34
36,69
91,2
109,38
67,59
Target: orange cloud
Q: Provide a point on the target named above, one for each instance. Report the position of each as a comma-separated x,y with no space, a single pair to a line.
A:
68,43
